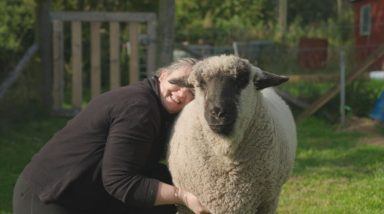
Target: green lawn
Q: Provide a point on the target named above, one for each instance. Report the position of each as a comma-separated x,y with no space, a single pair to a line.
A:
333,172
18,142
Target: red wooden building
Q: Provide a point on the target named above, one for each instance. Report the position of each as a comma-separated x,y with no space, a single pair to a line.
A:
369,29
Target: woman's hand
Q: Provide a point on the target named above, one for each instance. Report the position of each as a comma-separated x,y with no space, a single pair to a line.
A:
191,201
168,194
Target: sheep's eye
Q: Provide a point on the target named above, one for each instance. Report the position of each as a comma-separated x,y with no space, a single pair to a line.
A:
201,84
242,81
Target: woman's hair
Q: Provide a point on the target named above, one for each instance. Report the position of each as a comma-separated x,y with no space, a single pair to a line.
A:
178,64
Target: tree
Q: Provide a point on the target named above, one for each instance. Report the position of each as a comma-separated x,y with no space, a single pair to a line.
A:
220,21
165,35
16,31
311,12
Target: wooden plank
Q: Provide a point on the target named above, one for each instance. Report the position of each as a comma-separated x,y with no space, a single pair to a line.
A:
95,59
114,55
76,65
103,16
134,52
151,49
58,64
335,90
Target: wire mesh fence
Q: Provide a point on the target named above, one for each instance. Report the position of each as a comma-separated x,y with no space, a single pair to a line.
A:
315,69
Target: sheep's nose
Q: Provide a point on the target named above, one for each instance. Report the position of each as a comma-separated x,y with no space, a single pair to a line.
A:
218,112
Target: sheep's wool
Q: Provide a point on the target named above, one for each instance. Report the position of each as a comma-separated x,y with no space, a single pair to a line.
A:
242,173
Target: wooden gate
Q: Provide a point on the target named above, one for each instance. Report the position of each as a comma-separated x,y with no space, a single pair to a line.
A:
133,20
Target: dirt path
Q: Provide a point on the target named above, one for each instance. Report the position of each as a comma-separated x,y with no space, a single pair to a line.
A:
368,126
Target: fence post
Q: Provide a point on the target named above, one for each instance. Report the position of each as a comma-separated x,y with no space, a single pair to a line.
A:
95,59
282,17
165,32
114,55
342,87
58,65
134,75
77,64
151,48
235,49
44,37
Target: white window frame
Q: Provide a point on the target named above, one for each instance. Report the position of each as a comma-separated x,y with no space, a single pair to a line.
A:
365,20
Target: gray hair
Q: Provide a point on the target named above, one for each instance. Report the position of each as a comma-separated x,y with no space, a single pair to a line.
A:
187,62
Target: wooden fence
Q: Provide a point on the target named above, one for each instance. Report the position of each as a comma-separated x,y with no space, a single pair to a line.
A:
133,21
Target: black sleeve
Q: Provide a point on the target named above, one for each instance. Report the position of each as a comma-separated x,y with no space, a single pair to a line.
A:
131,134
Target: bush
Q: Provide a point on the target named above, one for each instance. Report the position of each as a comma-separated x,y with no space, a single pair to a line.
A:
16,32
361,96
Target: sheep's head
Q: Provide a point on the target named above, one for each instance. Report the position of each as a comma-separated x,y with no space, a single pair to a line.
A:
221,80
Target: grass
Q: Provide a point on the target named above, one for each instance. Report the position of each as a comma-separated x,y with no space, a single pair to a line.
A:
18,142
333,172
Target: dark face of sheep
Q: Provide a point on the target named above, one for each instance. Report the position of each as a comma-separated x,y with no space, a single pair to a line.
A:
221,95
222,90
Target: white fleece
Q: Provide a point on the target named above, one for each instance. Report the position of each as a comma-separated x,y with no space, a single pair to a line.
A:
242,173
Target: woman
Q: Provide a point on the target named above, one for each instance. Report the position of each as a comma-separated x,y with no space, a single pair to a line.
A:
106,159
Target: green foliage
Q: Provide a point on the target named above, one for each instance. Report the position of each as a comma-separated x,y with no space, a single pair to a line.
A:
13,15
220,22
22,100
313,12
16,32
361,96
337,34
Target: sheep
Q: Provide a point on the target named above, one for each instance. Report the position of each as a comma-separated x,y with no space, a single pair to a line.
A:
234,145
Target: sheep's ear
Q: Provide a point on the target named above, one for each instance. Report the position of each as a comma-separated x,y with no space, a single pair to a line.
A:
181,82
268,80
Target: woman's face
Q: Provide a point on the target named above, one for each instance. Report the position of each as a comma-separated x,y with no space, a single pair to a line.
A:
173,97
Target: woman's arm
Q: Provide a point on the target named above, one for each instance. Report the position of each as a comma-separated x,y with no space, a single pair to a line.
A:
168,194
